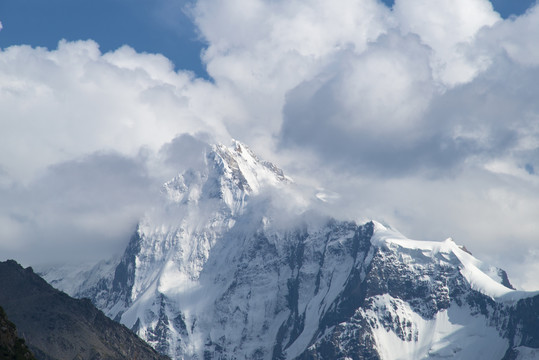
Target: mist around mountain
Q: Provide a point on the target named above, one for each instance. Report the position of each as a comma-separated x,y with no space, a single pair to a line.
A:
240,262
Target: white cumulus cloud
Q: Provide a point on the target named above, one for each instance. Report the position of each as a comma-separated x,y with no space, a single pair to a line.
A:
72,101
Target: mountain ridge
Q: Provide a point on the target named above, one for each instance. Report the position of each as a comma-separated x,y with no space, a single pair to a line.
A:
234,265
11,345
56,326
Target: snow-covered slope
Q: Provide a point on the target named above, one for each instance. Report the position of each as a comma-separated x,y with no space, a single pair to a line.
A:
488,280
228,268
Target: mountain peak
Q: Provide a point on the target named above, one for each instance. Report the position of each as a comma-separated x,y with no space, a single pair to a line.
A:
230,174
250,172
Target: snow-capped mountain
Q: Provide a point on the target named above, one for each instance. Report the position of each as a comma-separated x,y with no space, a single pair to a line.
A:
233,268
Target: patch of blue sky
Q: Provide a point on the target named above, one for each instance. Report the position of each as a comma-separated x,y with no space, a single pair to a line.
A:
147,26
157,26
506,8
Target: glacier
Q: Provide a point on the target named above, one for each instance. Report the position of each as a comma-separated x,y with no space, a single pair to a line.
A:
235,265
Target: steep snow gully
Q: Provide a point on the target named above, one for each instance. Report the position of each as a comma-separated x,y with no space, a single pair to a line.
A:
235,265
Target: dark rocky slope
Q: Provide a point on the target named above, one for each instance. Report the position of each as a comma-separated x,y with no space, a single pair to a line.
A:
57,327
11,346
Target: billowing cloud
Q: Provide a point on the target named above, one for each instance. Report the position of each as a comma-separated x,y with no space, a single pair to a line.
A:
72,101
260,50
370,112
448,27
422,115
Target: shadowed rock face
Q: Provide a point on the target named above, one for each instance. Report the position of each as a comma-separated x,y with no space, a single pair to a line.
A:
523,327
56,326
11,346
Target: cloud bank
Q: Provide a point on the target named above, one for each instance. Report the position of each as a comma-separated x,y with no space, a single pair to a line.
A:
422,115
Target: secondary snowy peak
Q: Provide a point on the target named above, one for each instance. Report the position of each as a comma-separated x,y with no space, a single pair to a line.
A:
486,279
230,174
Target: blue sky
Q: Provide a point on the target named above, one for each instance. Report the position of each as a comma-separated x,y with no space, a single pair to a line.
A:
423,116
147,26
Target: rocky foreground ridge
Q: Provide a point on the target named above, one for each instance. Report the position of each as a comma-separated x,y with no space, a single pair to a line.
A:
12,347
58,327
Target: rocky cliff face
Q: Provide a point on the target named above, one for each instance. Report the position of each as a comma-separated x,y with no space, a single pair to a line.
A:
56,326
231,268
11,346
